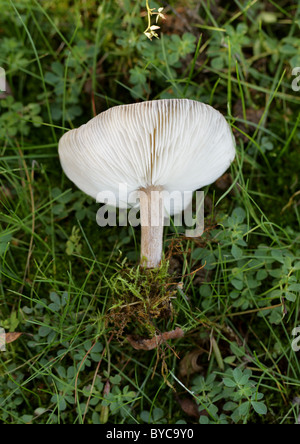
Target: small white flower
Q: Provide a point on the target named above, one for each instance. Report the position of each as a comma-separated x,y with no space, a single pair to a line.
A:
160,15
148,34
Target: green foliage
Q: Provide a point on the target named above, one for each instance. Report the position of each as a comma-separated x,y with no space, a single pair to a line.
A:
67,80
154,417
118,398
17,119
232,398
73,244
158,60
218,47
257,277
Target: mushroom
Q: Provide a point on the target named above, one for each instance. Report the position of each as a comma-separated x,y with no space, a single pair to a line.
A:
155,148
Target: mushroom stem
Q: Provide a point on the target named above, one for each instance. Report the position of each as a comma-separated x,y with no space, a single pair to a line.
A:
152,225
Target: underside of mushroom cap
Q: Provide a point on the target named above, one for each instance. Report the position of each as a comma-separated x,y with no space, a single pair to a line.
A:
177,144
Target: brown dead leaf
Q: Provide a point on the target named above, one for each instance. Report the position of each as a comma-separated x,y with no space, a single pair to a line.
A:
191,363
189,407
12,337
139,343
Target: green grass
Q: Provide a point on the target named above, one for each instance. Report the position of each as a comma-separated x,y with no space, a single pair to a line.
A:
235,290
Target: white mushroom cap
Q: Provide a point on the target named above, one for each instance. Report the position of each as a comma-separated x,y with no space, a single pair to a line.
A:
177,144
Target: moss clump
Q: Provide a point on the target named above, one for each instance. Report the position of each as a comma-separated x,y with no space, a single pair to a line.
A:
140,297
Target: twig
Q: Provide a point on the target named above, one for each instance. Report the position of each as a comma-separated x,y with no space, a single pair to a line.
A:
149,344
